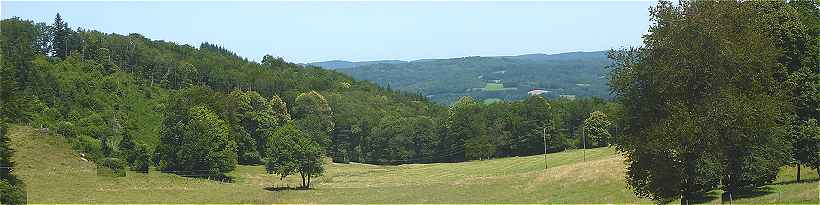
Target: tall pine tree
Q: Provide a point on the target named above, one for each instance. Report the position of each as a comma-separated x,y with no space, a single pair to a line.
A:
60,41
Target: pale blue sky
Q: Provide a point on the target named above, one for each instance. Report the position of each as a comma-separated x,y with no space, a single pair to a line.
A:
356,31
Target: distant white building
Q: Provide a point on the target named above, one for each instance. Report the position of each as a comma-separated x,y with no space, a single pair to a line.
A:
538,92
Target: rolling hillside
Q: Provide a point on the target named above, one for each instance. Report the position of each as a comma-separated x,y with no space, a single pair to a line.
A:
511,77
61,176
339,64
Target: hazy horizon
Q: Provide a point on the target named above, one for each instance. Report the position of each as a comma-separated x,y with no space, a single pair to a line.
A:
305,32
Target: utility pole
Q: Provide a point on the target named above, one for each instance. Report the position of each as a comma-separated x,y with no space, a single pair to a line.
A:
584,140
545,147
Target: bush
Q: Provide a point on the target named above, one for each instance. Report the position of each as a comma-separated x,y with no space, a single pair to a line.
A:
141,159
196,142
67,129
12,194
111,167
88,145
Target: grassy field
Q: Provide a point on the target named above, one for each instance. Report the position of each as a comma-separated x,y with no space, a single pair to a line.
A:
494,87
55,174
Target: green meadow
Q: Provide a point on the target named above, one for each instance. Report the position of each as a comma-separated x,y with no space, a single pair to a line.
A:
61,176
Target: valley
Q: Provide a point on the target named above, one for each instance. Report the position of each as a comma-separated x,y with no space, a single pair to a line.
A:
62,177
494,78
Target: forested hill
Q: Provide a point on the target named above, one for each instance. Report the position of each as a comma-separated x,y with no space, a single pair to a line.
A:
96,88
488,78
130,97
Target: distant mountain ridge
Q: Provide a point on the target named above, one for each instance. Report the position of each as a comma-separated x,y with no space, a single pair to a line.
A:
491,78
338,64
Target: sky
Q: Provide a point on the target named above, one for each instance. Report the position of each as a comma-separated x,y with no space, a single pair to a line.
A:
358,31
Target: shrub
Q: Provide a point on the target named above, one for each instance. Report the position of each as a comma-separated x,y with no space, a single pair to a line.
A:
67,129
12,194
88,145
111,167
141,159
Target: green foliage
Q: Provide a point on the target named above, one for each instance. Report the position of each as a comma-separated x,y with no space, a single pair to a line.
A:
196,143
254,115
12,194
126,147
705,100
109,86
114,167
596,129
137,156
12,189
397,140
88,146
105,147
806,147
462,124
292,151
61,32
141,158
313,115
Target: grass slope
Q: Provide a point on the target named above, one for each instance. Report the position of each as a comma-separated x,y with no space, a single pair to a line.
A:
55,174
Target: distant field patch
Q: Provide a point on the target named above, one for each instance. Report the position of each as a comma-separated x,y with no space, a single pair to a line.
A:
494,86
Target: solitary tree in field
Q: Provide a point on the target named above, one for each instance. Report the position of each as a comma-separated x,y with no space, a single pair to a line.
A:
596,129
291,151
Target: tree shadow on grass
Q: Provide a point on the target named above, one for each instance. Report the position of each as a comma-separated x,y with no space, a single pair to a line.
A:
795,181
702,198
217,178
278,189
752,193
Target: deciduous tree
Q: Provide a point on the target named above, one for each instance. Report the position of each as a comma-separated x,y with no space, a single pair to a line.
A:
704,99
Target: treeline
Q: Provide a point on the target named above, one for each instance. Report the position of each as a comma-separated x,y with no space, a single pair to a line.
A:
126,101
471,130
721,95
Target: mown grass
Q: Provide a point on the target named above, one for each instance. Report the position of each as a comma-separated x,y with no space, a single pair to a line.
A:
55,174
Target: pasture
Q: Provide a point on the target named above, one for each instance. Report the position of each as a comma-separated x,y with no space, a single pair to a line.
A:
54,173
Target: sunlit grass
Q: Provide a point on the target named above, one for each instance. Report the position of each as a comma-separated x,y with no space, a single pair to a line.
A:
55,174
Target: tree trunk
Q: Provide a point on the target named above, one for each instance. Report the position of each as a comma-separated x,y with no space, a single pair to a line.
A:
798,172
308,182
303,180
